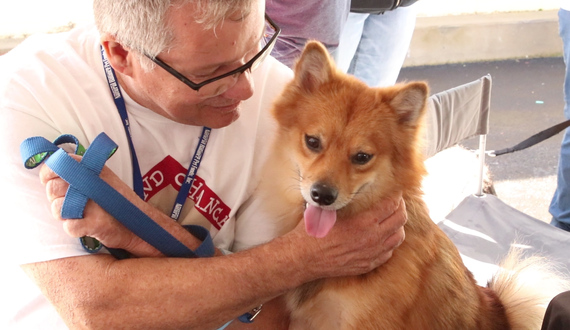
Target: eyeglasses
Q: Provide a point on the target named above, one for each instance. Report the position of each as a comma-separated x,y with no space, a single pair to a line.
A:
219,84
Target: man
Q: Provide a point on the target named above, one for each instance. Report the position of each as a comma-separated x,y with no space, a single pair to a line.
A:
57,84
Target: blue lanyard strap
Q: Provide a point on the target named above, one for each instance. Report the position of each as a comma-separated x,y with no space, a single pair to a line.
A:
85,183
120,103
191,174
137,176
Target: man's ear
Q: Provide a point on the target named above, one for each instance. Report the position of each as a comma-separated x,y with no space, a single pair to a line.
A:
117,54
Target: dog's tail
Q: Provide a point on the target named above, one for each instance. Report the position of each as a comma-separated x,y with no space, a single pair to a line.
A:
525,286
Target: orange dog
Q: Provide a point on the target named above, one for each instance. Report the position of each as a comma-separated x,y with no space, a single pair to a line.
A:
346,146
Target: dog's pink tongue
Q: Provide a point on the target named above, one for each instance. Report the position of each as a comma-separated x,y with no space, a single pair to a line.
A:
318,222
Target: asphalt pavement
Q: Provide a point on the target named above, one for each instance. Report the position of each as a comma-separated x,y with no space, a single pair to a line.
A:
526,98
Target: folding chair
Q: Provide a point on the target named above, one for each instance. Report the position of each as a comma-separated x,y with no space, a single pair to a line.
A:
481,226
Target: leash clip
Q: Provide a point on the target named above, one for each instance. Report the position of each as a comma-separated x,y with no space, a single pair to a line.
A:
254,312
251,315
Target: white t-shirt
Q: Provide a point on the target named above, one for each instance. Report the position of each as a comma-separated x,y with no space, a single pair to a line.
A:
55,84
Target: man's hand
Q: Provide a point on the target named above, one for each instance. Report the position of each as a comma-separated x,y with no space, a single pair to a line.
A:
97,223
360,244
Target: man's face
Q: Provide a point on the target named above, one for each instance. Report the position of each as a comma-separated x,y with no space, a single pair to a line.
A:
199,55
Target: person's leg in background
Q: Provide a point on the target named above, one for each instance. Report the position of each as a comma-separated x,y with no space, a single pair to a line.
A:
349,40
382,46
560,205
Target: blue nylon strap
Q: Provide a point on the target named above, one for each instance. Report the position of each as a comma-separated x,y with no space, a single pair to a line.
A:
83,178
113,202
35,150
93,159
68,138
206,249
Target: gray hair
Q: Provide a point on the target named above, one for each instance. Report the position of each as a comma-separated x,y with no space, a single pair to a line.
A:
142,25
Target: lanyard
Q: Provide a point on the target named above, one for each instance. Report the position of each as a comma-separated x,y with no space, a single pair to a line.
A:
191,174
137,176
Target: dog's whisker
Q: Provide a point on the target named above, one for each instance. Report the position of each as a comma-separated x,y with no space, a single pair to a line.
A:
293,188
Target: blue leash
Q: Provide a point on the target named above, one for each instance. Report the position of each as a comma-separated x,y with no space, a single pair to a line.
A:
85,183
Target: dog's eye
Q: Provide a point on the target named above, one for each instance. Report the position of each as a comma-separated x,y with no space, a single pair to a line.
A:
361,158
313,143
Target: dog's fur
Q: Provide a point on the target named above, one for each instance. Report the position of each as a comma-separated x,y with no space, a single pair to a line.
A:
355,144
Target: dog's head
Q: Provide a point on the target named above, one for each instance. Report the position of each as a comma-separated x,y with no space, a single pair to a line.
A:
351,144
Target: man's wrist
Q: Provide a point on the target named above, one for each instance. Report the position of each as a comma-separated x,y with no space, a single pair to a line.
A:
301,256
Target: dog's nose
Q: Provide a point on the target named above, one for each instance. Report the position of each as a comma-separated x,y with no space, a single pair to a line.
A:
323,194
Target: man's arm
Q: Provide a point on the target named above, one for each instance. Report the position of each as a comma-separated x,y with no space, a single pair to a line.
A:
100,291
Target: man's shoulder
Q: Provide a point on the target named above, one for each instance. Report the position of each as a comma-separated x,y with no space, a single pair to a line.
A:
271,78
47,65
43,52
276,71
58,82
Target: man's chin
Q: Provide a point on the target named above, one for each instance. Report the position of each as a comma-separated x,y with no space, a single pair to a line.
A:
213,117
223,119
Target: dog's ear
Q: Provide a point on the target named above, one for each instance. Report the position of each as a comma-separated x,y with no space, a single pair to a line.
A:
410,101
314,67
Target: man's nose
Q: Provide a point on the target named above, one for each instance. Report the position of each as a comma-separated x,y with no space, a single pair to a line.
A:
242,89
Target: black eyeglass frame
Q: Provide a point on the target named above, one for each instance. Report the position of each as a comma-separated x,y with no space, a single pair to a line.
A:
239,70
